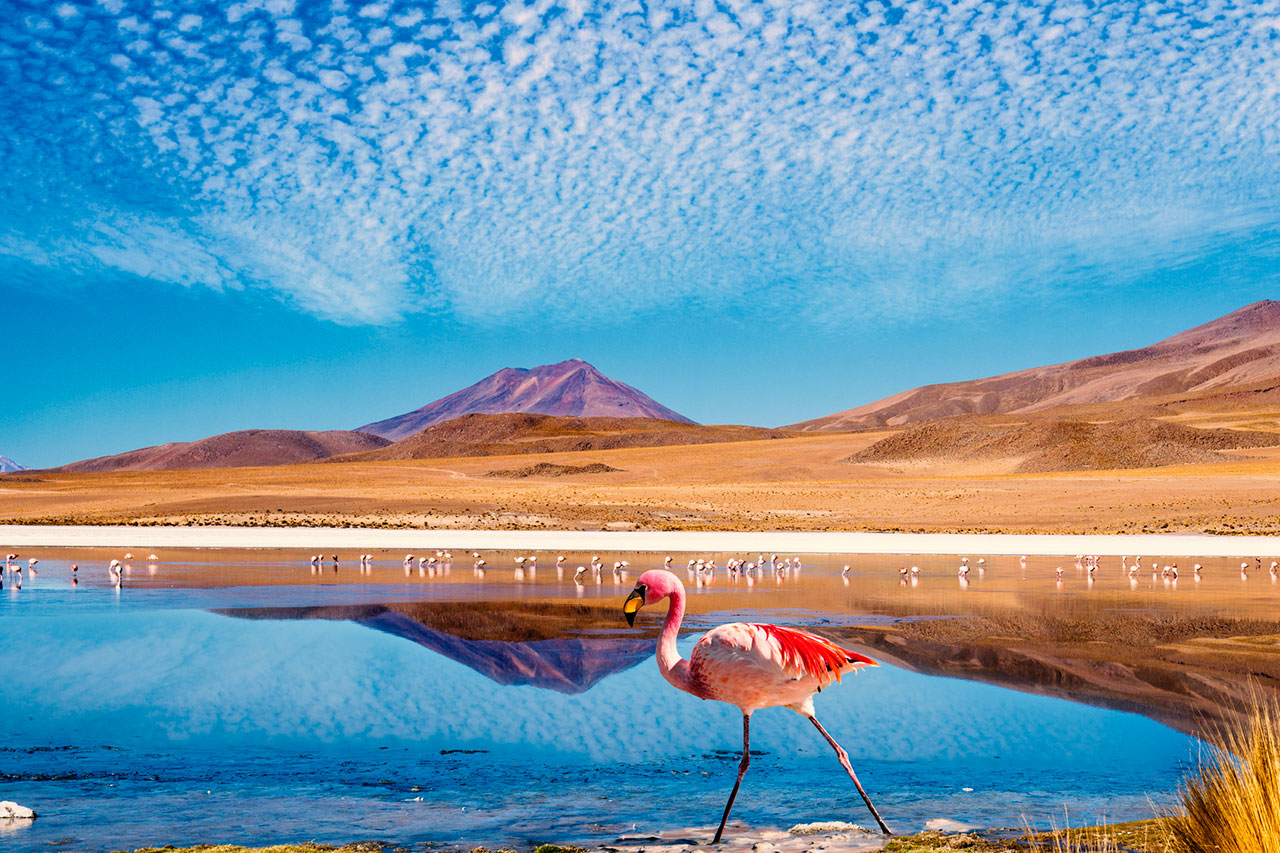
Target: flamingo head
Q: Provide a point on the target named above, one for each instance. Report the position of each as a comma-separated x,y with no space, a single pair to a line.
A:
652,587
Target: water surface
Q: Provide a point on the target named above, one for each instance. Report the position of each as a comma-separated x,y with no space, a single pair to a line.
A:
262,701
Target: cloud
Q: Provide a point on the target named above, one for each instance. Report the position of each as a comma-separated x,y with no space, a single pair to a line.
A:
370,161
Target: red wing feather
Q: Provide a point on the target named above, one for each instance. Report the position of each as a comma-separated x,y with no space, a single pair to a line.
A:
819,657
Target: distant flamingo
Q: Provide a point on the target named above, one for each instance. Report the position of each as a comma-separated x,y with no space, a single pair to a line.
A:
750,666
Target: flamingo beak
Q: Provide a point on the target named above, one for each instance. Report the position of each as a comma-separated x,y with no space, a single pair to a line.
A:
633,604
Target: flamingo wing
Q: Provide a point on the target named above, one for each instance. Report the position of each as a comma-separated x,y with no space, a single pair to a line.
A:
758,666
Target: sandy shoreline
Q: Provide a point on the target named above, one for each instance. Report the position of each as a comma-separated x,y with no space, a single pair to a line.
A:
684,542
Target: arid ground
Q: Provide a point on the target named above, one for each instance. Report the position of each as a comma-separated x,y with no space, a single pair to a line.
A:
779,484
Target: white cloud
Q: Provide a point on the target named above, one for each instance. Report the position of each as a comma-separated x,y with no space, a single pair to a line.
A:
594,160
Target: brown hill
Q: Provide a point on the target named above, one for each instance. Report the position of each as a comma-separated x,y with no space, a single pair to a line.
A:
1062,445
1239,350
569,388
550,469
241,449
506,434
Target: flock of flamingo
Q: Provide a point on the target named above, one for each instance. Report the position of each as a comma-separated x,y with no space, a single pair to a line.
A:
700,571
116,570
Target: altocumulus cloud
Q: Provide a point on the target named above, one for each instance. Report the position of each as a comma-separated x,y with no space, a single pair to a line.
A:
369,161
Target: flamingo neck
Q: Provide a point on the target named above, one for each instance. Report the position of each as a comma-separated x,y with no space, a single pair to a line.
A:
674,668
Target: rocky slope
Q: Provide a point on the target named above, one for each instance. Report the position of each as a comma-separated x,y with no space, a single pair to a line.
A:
1238,351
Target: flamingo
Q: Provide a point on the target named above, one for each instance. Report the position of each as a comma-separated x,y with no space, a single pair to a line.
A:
749,666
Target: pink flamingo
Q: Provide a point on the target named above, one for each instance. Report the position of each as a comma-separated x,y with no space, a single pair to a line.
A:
750,666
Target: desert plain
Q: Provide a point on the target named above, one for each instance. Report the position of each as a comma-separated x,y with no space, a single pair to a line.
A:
795,483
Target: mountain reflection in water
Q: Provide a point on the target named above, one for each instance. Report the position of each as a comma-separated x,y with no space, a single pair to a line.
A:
540,646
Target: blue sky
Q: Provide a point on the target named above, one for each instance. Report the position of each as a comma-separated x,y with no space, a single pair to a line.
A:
315,215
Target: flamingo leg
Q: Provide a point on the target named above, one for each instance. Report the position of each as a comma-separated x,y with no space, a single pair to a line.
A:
844,761
742,771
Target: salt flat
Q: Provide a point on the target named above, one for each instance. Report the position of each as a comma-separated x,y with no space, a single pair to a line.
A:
683,542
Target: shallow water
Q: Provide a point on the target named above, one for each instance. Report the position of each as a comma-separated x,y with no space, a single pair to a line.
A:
142,716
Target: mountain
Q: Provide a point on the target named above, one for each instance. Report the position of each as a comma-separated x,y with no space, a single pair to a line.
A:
509,434
570,388
7,465
242,449
1240,350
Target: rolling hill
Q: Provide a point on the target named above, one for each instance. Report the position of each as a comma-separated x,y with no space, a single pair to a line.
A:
243,448
1240,350
570,388
1062,445
508,434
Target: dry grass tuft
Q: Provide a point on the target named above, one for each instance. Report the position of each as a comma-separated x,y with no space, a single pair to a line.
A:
1232,805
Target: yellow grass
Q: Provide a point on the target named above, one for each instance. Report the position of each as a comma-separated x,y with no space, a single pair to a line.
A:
1232,804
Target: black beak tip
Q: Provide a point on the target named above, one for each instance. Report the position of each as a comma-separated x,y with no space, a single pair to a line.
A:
631,619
